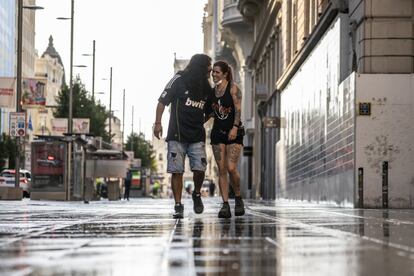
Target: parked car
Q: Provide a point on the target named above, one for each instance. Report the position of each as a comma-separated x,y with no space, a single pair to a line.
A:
7,179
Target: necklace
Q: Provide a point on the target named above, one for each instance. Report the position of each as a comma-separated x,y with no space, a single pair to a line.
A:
219,91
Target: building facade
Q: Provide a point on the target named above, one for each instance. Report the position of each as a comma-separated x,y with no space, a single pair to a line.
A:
324,127
8,34
48,68
8,48
116,131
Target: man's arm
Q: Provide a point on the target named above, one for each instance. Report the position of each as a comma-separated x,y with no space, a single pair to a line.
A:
158,117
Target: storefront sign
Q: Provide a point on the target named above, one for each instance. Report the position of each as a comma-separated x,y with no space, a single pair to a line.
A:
7,94
271,122
81,125
59,126
34,92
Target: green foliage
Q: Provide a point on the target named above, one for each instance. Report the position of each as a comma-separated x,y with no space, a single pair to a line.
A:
142,149
83,106
7,151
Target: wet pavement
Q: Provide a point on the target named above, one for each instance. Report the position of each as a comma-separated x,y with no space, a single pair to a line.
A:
140,237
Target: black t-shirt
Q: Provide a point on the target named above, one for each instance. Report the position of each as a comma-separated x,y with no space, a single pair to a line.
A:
187,113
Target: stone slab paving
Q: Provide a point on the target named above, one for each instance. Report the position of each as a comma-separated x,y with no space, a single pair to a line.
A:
139,237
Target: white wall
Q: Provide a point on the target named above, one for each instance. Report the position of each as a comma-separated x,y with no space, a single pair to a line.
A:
386,135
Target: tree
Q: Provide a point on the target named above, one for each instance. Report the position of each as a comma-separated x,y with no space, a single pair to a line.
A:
142,149
83,106
8,149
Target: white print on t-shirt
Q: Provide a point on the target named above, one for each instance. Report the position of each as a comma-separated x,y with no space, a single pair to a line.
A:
192,103
222,112
164,94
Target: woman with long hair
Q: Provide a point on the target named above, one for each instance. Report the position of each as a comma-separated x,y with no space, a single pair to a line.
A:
226,135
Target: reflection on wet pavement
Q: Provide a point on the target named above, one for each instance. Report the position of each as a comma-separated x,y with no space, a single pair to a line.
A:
140,237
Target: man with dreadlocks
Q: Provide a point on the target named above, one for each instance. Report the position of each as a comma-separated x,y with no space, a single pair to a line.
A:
187,93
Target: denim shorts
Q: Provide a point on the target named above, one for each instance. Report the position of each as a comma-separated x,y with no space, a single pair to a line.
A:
177,151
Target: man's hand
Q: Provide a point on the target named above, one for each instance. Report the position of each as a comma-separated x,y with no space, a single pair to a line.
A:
158,130
157,124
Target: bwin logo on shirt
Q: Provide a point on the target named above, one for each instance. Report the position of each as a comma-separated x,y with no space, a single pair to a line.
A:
192,103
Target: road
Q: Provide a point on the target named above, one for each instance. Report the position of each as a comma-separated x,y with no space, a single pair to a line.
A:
139,237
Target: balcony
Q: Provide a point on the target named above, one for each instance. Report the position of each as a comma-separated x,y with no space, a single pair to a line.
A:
231,15
249,8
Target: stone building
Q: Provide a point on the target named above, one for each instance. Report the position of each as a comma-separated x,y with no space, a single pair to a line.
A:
330,98
116,131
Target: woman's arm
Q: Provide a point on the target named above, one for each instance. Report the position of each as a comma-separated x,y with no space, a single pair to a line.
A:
237,98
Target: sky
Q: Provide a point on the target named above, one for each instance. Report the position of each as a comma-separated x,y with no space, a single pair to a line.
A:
137,39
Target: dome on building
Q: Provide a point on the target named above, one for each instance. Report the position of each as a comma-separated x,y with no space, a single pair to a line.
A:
51,51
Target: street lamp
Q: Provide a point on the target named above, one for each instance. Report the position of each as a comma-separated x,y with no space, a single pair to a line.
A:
70,117
123,119
70,125
110,104
20,8
110,107
93,68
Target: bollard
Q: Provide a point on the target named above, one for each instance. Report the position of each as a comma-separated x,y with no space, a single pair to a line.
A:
360,188
385,184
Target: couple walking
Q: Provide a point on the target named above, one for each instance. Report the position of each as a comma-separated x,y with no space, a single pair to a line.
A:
193,102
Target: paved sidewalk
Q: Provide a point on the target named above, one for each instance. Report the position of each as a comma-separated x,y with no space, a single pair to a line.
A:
140,237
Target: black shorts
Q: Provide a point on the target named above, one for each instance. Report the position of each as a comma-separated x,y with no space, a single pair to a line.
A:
222,137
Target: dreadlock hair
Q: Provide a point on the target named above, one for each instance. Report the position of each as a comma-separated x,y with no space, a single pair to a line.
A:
196,75
225,68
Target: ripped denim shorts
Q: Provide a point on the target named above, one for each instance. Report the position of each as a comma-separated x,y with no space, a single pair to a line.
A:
177,151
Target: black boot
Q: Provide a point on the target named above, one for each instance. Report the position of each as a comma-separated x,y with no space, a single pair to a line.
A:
239,206
225,211
179,211
198,204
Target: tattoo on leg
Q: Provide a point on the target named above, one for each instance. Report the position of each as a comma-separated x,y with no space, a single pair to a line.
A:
234,152
217,152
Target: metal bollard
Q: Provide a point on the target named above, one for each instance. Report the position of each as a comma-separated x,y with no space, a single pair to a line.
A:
360,188
385,184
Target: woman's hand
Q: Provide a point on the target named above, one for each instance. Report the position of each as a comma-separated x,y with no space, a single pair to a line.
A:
233,133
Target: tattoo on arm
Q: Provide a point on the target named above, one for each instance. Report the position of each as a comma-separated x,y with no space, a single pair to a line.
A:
239,94
237,116
237,97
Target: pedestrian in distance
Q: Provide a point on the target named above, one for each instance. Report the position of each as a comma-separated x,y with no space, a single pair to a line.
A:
187,93
127,183
227,134
212,188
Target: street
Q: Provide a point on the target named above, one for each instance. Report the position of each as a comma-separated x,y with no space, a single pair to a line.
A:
139,237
